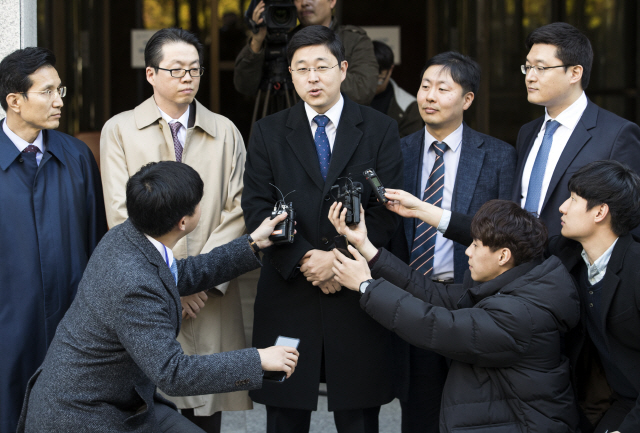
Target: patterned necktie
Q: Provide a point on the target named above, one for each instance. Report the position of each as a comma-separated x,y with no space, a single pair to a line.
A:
539,167
424,243
322,144
31,149
175,127
174,270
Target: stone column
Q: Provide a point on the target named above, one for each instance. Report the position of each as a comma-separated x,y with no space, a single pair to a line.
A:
18,26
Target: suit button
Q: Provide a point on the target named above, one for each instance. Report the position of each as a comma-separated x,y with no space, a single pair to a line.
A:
327,197
591,305
21,160
325,240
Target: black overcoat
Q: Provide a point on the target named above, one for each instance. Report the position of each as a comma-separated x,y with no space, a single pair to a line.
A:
356,348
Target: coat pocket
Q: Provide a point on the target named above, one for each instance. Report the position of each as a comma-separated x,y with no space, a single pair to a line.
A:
490,428
141,414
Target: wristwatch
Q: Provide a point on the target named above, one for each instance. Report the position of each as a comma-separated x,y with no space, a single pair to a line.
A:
254,246
364,285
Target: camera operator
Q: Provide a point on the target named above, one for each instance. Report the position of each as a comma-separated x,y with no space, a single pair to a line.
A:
361,81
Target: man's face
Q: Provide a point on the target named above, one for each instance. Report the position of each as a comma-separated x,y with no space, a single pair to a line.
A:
553,87
39,110
175,92
442,101
484,264
383,80
320,90
315,12
577,222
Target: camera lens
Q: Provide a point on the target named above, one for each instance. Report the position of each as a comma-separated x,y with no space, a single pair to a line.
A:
281,16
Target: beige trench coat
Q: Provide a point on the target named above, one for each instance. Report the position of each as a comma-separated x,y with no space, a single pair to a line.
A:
215,149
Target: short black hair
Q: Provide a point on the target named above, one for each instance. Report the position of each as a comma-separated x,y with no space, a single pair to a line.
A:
153,50
160,194
463,69
16,68
614,184
384,55
573,47
504,224
316,35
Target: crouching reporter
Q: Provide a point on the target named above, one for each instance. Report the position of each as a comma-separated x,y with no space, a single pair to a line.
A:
501,328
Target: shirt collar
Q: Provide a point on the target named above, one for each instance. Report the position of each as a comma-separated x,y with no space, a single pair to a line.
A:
332,113
453,140
161,249
570,117
597,270
184,119
19,142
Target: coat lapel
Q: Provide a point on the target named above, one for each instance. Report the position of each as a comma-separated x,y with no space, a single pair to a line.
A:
576,142
302,145
348,137
412,153
469,167
516,193
611,280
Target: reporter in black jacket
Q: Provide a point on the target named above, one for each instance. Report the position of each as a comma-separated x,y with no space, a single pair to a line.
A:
602,255
501,328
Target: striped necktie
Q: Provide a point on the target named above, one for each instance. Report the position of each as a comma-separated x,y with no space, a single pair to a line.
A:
424,243
177,146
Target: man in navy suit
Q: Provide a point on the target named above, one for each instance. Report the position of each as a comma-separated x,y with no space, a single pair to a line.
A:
557,71
477,168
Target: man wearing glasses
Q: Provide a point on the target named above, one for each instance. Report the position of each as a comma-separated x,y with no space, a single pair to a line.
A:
573,132
309,148
173,126
51,219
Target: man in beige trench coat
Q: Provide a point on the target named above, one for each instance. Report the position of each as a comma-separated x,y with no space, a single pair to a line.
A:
213,146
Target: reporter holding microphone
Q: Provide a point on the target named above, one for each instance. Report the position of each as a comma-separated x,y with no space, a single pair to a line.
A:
501,328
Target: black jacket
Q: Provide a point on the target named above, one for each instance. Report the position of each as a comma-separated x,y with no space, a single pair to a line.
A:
503,337
620,313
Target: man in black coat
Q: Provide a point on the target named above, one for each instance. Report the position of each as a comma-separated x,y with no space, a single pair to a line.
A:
501,328
308,148
118,342
602,256
573,132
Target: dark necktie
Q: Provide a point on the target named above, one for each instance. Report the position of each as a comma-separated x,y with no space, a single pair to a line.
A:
424,242
31,149
539,167
175,127
322,144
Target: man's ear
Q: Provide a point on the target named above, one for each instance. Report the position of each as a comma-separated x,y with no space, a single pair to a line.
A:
576,74
468,99
602,212
14,102
182,224
151,75
505,256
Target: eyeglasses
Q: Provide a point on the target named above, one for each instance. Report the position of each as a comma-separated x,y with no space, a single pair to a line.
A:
50,94
539,70
179,73
319,70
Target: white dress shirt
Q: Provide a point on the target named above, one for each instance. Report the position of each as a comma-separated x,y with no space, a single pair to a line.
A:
168,259
596,271
184,121
22,144
568,120
443,255
333,114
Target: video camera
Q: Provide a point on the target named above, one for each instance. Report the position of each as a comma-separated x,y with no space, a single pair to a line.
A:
279,16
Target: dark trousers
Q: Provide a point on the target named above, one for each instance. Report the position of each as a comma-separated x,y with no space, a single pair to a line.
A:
171,421
284,420
421,410
210,424
612,419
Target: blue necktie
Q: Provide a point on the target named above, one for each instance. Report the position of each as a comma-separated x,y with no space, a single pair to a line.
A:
322,144
174,270
424,243
539,167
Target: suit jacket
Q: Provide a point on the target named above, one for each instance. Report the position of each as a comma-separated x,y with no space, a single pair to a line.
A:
620,316
215,149
282,152
485,172
598,135
117,341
